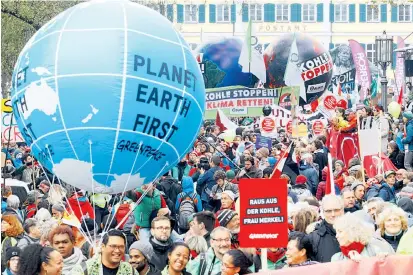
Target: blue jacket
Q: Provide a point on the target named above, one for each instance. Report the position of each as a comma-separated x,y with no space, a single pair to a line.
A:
387,193
409,135
311,174
188,188
206,182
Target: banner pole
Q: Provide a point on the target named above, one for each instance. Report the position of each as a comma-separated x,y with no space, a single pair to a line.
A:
264,262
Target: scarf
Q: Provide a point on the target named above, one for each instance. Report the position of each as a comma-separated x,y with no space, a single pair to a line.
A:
355,246
70,262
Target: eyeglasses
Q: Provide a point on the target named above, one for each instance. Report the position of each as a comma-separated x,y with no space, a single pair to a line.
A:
117,247
329,211
160,228
222,240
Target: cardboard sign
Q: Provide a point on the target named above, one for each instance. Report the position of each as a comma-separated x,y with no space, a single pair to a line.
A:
263,142
318,127
263,213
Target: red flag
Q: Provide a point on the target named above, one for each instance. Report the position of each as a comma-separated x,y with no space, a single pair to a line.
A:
314,105
374,164
219,123
400,99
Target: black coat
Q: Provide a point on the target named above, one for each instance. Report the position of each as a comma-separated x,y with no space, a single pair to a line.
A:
160,257
321,159
393,240
324,242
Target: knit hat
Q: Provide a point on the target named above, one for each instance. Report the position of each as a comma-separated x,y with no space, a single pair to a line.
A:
301,179
230,175
144,247
230,194
355,184
248,144
226,216
11,252
408,115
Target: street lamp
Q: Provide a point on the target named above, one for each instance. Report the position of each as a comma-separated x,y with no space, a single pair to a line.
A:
384,56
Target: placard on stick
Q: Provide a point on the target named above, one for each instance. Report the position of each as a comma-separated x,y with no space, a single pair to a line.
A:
263,213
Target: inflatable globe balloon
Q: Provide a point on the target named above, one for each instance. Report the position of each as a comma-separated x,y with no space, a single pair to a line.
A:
220,63
310,63
108,95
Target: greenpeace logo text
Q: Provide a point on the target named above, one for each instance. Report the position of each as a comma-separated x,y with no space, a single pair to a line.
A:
263,236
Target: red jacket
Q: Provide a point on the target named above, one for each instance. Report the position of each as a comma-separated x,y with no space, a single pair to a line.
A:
80,206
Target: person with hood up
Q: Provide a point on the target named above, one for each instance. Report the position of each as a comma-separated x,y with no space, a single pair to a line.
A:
62,239
80,205
306,169
188,193
301,188
408,141
407,205
140,257
31,233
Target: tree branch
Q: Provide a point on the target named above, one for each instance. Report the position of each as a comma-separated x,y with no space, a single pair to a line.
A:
16,15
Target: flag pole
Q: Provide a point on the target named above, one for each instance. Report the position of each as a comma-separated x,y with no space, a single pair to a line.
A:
360,150
330,171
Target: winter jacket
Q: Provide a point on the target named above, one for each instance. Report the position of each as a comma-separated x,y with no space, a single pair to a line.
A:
406,243
409,135
80,206
180,170
145,208
160,249
311,174
393,240
206,182
302,191
26,240
94,267
370,250
70,262
407,205
324,242
188,189
193,266
321,190
253,173
372,191
387,193
321,159
397,158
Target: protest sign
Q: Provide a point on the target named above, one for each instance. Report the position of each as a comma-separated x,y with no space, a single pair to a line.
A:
318,127
262,141
263,213
9,129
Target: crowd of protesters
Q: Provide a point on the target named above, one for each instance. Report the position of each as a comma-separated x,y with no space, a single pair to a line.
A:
188,221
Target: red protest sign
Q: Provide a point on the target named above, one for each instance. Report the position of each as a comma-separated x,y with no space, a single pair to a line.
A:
318,127
263,214
289,127
330,102
268,124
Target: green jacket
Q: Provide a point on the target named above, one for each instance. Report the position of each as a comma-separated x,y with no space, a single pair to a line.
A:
144,210
94,267
193,265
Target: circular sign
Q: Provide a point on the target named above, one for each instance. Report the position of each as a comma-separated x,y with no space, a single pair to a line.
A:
342,103
268,124
318,127
285,101
289,127
330,102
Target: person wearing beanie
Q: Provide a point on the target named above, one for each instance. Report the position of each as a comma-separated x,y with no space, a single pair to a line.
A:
12,260
408,141
221,186
267,172
230,219
230,175
262,155
206,181
301,188
359,191
140,256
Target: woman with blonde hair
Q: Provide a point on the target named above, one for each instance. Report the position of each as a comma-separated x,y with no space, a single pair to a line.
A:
303,218
355,239
392,223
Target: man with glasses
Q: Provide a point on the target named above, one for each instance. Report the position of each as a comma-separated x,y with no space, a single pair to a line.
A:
323,238
161,241
209,263
110,263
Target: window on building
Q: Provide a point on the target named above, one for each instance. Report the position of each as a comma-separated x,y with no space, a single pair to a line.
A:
161,8
405,13
191,13
223,13
256,12
371,52
372,13
309,12
341,13
282,12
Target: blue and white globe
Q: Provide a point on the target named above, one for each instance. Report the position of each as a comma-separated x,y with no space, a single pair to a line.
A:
108,95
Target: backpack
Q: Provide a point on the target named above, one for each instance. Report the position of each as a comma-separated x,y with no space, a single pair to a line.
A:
186,209
121,212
